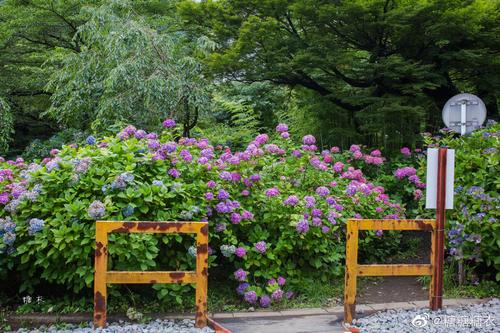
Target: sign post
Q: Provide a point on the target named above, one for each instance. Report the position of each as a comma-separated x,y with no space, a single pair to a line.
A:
439,196
463,113
437,298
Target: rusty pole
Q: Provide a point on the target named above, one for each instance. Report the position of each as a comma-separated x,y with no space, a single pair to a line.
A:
437,300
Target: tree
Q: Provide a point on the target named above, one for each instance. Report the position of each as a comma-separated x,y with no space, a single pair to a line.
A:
385,67
129,71
31,32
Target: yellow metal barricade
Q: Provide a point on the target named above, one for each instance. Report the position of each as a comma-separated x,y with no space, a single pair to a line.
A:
102,276
353,269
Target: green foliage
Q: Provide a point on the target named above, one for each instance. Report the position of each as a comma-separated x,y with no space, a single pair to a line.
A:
6,126
474,226
31,33
133,179
378,70
128,71
39,149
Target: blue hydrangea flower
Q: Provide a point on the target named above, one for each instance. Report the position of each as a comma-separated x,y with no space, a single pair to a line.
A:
96,209
90,140
35,225
127,211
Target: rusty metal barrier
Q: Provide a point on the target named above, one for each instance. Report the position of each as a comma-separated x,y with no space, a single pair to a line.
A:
353,269
102,276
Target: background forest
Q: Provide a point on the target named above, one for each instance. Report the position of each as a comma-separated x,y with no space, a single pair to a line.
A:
375,72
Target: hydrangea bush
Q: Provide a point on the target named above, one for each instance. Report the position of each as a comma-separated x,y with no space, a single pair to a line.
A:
276,210
473,225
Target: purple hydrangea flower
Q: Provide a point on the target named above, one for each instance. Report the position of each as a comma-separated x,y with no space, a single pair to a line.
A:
261,139
211,184
338,167
240,252
209,196
405,151
309,140
222,195
235,218
316,221
330,201
174,173
379,233
285,135
281,281
310,201
219,227
265,301
325,229
251,296
140,134
302,227
171,147
255,177
154,144
96,209
322,191
226,175
272,192
277,294
316,212
261,247
240,275
241,288
246,215
168,123
291,201
282,128
4,198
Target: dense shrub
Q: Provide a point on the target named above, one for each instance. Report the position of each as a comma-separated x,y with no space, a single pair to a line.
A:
473,225
276,210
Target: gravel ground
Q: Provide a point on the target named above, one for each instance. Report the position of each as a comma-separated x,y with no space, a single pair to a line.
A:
484,317
156,326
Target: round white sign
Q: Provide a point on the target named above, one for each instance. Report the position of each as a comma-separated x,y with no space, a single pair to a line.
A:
463,113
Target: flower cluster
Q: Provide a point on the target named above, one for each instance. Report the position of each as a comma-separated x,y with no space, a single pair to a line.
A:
96,209
274,200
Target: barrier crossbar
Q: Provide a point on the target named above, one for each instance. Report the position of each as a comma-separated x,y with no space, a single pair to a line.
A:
103,277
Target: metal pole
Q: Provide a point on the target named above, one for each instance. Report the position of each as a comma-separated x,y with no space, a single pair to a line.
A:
437,301
463,117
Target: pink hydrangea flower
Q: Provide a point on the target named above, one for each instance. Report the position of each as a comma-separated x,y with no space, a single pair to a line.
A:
405,151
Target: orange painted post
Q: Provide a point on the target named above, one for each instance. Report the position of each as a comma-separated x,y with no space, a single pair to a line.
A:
101,266
432,281
103,276
201,277
353,269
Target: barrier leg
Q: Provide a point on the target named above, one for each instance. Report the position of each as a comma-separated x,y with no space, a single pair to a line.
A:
101,265
201,276
350,272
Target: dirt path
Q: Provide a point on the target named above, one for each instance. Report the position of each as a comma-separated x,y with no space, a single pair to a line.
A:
399,288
